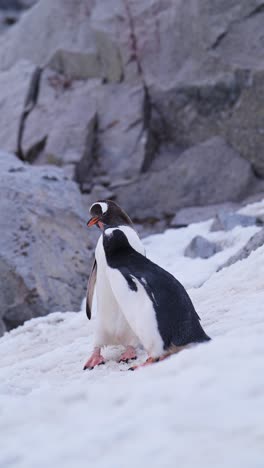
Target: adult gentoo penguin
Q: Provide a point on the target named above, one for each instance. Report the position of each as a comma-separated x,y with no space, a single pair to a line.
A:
156,308
112,327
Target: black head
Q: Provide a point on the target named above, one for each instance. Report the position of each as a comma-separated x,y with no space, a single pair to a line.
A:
106,213
115,241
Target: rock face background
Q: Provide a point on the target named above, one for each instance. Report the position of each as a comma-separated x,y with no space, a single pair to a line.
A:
44,249
156,104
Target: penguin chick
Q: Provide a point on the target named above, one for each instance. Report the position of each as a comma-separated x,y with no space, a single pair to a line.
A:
112,327
155,304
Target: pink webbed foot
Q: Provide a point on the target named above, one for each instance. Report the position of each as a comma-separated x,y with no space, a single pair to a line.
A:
96,359
128,355
148,362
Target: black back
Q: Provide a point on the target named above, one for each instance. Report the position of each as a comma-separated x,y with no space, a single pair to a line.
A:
178,322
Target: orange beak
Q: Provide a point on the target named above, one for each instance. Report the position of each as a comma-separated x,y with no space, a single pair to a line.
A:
93,221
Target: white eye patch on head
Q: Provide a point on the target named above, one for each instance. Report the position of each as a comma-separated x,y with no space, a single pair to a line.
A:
99,208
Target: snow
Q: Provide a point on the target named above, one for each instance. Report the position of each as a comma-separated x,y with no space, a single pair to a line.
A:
202,407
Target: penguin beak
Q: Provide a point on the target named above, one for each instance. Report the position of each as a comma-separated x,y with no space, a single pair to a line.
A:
93,221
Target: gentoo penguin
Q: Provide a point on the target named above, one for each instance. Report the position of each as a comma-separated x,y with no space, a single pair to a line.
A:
156,307
155,304
112,327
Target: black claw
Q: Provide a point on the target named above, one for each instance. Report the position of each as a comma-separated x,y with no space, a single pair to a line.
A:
127,360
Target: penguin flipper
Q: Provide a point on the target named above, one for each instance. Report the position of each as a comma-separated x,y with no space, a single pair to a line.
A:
90,290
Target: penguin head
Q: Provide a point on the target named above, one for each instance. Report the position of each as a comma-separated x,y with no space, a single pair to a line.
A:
114,239
106,213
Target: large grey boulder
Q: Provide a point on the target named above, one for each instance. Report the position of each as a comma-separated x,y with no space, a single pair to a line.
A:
45,249
58,34
208,173
60,128
211,78
123,141
201,82
100,129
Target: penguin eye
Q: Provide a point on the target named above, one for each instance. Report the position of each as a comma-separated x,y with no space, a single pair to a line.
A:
96,210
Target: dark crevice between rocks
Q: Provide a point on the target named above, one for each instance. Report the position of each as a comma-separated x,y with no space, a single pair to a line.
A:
89,164
30,102
32,154
152,143
219,40
212,99
259,9
133,38
154,139
258,174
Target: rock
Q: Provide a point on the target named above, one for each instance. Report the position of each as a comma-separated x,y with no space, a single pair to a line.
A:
123,142
14,86
197,214
211,172
170,77
59,35
228,221
99,192
200,247
50,26
76,65
45,251
113,24
60,128
254,243
100,129
204,81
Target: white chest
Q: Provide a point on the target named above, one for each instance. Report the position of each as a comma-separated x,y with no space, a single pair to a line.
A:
112,326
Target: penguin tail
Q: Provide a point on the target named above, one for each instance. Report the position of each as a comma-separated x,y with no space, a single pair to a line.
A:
202,338
178,344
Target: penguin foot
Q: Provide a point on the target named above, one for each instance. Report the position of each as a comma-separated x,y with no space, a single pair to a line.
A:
128,355
96,359
148,362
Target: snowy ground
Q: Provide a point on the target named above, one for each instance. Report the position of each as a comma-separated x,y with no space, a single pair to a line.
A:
200,408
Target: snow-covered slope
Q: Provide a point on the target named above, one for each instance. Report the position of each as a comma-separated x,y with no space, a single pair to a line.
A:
200,408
